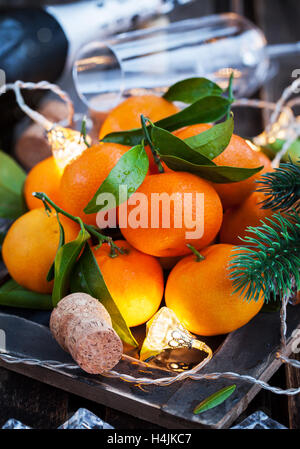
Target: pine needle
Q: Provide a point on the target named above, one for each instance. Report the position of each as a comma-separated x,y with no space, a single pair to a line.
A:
269,263
281,187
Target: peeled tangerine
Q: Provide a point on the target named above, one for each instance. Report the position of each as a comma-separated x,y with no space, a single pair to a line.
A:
201,294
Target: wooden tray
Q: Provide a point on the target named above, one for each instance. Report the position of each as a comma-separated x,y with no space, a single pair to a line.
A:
250,350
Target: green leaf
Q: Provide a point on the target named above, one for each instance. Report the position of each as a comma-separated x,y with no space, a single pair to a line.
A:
292,153
181,157
167,144
268,263
13,295
213,173
64,262
12,178
87,278
281,188
191,90
214,400
130,171
50,275
212,142
206,110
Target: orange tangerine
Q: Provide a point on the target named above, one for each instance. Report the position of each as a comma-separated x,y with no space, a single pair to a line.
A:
201,294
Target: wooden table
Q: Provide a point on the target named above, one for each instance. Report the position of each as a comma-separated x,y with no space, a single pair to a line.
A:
42,406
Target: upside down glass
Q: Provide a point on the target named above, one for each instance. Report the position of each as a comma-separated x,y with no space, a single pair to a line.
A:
152,59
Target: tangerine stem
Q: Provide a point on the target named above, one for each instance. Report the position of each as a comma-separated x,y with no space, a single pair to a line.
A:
199,256
83,132
230,91
152,148
90,228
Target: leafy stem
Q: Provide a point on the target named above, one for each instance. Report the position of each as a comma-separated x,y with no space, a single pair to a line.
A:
230,92
83,132
89,228
149,140
230,87
281,187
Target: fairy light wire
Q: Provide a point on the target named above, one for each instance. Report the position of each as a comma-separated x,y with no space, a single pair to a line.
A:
42,85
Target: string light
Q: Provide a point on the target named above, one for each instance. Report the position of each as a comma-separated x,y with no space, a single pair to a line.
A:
66,144
165,331
282,124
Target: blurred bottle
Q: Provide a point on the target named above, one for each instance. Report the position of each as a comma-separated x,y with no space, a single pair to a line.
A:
39,43
131,63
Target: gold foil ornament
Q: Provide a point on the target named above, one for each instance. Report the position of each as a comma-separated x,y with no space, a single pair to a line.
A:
164,331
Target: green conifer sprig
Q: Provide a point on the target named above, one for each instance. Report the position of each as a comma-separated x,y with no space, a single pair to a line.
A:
281,187
270,260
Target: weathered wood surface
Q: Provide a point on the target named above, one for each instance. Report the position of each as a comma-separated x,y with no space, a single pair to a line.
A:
250,350
293,381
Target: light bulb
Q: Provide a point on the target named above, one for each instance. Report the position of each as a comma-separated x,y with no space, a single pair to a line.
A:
66,145
252,146
164,331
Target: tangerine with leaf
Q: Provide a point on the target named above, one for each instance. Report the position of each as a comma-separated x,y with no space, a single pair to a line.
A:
237,154
82,178
127,115
134,280
30,246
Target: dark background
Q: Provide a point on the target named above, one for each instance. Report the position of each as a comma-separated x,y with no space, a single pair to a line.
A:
42,406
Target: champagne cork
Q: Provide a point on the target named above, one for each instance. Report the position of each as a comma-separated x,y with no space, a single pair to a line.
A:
82,326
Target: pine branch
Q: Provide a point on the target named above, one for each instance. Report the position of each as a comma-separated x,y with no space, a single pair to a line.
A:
281,187
270,260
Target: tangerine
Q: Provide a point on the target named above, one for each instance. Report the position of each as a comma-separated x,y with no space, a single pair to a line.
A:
127,115
237,219
82,178
162,231
134,280
201,294
43,177
30,246
237,154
